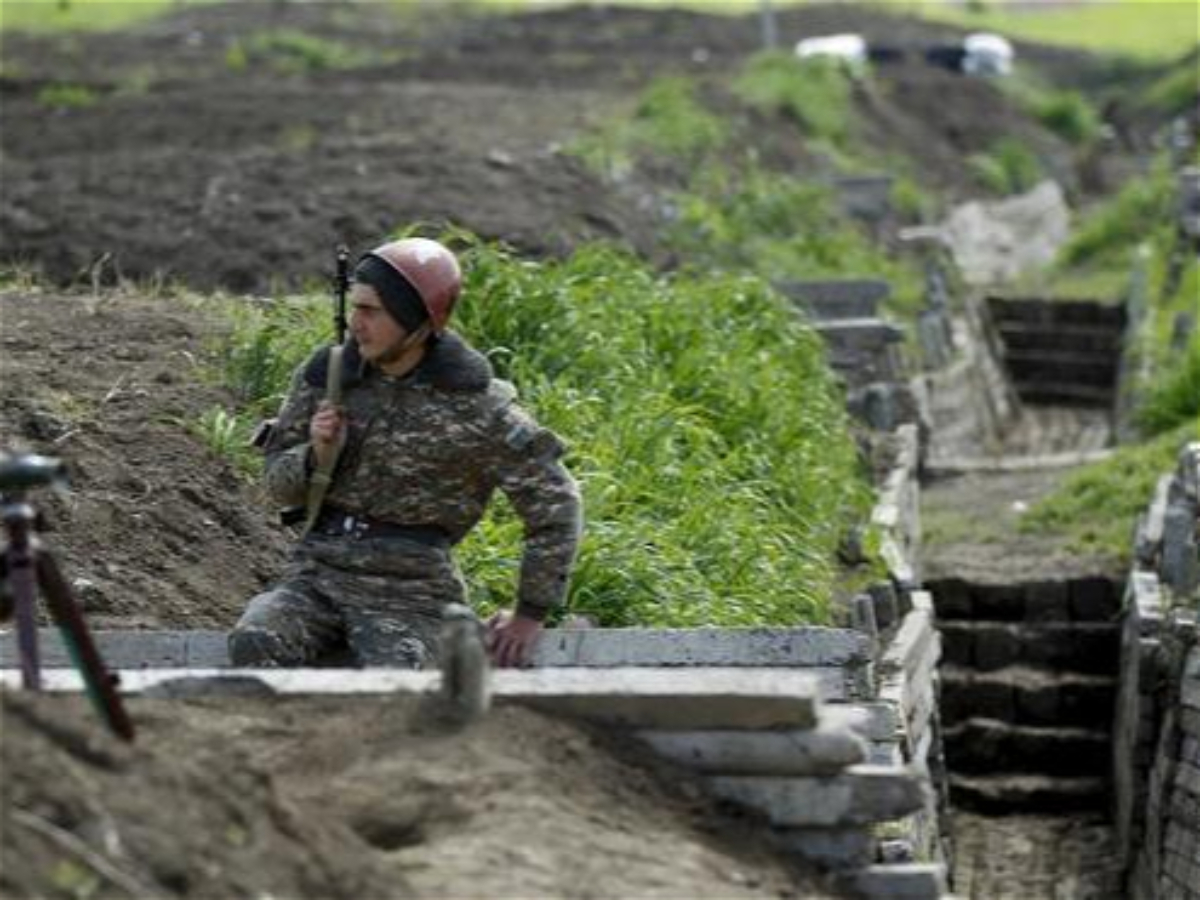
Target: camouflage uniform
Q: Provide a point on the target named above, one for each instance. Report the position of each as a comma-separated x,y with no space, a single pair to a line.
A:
425,450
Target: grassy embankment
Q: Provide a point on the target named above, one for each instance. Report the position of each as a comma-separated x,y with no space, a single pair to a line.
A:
718,471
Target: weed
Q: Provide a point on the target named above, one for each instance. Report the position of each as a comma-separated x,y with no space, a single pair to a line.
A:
67,96
1009,168
1174,399
1121,223
1068,115
227,435
293,53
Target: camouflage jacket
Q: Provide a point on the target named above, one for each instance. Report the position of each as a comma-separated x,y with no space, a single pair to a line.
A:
429,449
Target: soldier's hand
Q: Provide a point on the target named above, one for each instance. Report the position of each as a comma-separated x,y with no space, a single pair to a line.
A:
327,433
511,638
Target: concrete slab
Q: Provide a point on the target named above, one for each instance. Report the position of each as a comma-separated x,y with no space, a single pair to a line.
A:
791,647
817,751
710,698
589,647
861,795
906,881
830,848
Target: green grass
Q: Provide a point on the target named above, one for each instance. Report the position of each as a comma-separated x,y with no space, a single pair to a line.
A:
1095,509
1158,30
292,52
1008,168
668,119
781,228
67,96
718,470
814,92
44,16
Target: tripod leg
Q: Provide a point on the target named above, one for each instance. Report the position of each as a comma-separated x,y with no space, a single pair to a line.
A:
21,580
100,684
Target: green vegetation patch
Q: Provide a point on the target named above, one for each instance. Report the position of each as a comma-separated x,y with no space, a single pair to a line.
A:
1009,167
293,52
668,119
815,92
718,471
780,228
67,96
1096,508
44,16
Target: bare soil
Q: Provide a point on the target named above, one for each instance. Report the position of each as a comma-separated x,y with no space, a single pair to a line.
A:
365,800
245,178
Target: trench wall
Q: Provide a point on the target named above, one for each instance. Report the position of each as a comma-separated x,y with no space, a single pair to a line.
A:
1156,759
855,785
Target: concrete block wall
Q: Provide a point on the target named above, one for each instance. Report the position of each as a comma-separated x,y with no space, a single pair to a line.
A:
1156,765
901,619
969,403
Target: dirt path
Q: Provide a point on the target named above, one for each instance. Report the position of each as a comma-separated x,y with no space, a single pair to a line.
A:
1035,858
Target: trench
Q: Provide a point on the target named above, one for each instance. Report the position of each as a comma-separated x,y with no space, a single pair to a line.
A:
1031,647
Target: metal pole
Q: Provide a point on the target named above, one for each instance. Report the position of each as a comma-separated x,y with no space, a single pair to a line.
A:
770,34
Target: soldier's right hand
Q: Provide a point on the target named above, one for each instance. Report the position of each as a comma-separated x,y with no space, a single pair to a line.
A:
327,433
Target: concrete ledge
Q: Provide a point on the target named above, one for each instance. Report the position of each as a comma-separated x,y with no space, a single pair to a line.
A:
587,647
818,751
861,795
711,698
830,848
788,647
907,881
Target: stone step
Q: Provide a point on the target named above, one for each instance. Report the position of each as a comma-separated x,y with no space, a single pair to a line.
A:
1028,793
1048,313
1075,369
850,298
903,881
1085,599
1060,393
1026,696
860,795
986,746
1090,648
1018,336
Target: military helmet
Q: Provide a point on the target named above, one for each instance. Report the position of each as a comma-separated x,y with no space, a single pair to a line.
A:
432,271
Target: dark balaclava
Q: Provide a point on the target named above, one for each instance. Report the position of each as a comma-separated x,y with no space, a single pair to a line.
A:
399,298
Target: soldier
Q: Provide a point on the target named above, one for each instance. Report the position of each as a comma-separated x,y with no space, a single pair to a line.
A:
422,438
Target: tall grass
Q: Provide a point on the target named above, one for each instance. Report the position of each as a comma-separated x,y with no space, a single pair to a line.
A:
1124,221
1095,509
780,228
718,471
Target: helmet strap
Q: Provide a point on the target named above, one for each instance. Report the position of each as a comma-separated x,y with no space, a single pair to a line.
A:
399,359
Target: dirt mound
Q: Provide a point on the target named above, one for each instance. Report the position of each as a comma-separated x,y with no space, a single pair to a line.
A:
157,531
362,800
173,149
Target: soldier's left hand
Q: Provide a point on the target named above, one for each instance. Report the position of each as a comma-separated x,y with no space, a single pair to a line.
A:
511,639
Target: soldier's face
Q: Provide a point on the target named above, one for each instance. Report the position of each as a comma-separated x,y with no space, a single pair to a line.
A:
373,326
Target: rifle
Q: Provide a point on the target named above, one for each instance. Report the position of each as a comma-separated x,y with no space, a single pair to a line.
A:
318,487
27,565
